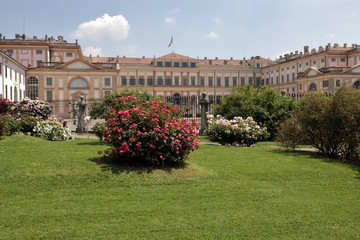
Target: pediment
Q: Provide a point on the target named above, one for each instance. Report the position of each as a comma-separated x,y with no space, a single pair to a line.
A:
354,69
310,72
78,64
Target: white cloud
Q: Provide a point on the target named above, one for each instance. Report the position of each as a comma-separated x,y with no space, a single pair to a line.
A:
169,19
176,10
212,35
93,51
215,19
116,27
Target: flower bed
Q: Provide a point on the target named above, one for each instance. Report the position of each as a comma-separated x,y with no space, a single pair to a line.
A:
239,131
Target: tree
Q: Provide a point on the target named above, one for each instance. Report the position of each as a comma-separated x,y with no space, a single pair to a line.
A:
100,109
264,104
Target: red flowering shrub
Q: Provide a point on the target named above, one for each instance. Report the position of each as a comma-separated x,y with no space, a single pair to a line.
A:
5,106
149,132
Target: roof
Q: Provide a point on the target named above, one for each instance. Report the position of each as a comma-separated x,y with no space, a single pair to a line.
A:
174,56
121,60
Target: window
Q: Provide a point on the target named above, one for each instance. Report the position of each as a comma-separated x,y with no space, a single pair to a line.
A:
258,65
277,79
271,80
78,83
300,86
235,81
192,81
176,64
124,81
69,54
338,83
107,82
0,69
38,62
242,81
299,65
333,59
226,81
314,62
202,82
326,83
159,64
357,84
313,87
10,51
210,81
307,64
282,78
293,67
185,82
142,81
168,64
342,60
32,88
49,81
287,68
177,81
132,81
49,96
293,89
192,64
287,77
168,82
160,82
293,76
149,82
322,60
184,64
218,81
267,81
39,51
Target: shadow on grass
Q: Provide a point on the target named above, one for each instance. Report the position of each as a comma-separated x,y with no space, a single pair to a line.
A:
318,155
93,143
116,167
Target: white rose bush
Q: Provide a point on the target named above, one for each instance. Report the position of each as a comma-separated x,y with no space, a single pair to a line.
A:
238,131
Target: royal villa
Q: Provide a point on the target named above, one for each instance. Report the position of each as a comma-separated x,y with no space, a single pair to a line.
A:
57,71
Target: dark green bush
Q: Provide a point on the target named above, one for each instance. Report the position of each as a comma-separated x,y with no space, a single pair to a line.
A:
27,123
8,125
266,105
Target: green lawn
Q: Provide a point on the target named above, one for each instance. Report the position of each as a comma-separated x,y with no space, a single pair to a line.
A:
56,190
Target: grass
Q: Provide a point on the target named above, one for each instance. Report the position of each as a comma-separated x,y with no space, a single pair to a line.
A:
56,190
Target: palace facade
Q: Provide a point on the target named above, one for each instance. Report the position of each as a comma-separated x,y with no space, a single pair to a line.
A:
64,74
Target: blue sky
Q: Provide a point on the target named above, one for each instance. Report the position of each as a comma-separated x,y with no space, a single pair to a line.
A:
201,28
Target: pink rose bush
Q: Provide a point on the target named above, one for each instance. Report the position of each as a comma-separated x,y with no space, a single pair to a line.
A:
33,108
149,132
244,132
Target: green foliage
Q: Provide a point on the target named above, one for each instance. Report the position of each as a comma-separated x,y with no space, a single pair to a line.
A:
27,123
99,129
289,133
8,125
100,109
264,104
330,124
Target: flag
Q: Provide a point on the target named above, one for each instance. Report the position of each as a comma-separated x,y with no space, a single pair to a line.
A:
171,41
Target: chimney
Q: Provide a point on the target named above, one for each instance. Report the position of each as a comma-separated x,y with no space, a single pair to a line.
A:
124,56
306,49
231,58
34,37
0,35
216,58
336,45
313,51
296,52
17,36
225,62
143,56
345,45
205,58
60,38
23,36
210,62
321,49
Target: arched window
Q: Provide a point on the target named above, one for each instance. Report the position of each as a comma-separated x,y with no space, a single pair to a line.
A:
357,84
312,87
78,83
32,88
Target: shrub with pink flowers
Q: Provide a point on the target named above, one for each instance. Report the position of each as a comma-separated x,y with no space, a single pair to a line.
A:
244,132
149,132
34,108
